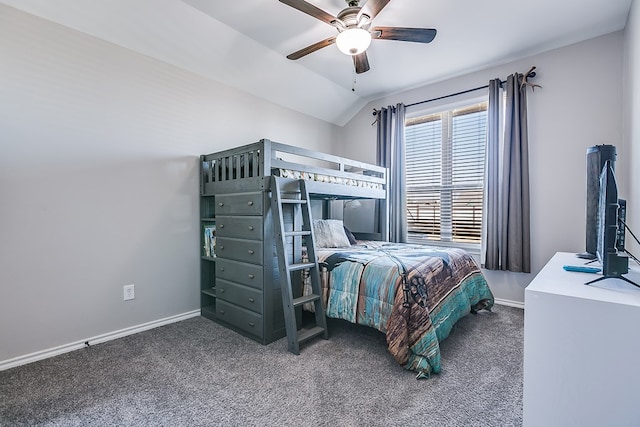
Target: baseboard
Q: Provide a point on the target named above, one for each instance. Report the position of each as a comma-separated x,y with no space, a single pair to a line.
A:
516,304
45,354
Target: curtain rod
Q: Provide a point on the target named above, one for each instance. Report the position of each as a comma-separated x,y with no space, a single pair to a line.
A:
530,74
451,95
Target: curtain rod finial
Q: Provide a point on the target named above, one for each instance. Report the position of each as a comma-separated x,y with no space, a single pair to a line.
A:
531,73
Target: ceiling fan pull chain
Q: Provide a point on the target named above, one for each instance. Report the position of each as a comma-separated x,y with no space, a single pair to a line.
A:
355,76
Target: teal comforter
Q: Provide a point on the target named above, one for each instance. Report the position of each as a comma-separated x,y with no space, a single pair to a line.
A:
364,284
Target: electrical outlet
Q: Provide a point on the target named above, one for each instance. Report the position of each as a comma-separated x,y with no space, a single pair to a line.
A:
129,292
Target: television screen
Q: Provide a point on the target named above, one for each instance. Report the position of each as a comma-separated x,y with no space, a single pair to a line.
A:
607,251
597,156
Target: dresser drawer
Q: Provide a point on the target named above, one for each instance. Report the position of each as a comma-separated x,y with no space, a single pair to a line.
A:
239,317
239,249
241,295
239,204
240,227
239,272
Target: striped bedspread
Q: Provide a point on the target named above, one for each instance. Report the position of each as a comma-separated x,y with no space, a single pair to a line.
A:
363,284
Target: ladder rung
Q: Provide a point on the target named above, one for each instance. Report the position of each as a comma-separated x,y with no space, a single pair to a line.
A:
305,334
296,197
301,266
297,233
305,299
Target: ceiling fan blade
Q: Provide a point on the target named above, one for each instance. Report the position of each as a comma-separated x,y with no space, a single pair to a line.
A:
418,35
312,48
372,7
361,63
310,9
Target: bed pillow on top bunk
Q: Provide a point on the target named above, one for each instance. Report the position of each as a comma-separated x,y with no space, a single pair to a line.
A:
329,233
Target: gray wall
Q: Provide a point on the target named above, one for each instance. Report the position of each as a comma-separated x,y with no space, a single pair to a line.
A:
98,173
631,115
99,180
580,105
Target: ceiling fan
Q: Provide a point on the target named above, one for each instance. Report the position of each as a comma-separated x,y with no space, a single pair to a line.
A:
354,30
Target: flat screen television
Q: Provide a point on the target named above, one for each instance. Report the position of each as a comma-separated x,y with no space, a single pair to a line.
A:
607,229
597,156
610,249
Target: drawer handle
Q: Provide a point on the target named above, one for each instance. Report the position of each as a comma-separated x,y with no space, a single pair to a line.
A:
252,324
251,228
251,276
221,311
221,268
221,290
250,251
251,300
220,204
250,203
221,225
221,247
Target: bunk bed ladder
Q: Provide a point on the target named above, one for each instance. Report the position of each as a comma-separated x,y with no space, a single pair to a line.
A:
296,198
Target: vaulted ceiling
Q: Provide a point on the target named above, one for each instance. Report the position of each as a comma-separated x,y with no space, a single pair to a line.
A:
244,43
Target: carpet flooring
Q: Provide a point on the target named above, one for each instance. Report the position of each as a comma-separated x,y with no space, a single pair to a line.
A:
198,373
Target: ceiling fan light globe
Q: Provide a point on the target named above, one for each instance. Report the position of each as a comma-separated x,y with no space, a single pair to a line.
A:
353,41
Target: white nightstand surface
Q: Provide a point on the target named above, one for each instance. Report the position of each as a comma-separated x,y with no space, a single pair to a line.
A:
554,279
581,348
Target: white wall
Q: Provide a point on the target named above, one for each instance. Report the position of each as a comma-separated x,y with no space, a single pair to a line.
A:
99,180
631,115
98,172
580,105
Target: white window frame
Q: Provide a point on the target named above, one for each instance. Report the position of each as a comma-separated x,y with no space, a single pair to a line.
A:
474,248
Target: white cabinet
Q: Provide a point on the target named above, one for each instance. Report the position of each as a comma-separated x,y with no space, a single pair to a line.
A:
581,348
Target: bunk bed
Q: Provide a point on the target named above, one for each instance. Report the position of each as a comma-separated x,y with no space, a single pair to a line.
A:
240,285
240,282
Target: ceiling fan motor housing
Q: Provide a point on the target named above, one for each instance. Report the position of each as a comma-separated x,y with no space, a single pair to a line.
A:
349,16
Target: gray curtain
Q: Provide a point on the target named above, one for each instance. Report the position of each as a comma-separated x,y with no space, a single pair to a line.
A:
510,225
492,179
391,154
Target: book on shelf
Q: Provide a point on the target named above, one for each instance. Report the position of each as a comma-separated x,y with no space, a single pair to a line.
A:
210,240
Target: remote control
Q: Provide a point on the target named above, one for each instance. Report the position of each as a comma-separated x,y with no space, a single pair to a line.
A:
582,268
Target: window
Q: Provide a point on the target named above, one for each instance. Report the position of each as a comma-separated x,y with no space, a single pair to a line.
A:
445,154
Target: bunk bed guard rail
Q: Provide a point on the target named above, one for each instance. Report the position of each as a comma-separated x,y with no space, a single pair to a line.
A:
266,158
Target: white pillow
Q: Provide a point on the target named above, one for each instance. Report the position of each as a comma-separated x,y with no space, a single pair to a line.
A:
329,233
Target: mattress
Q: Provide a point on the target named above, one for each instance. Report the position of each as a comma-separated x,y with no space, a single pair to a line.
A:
310,176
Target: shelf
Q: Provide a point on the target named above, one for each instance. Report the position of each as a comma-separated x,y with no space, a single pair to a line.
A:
209,291
207,217
207,207
209,311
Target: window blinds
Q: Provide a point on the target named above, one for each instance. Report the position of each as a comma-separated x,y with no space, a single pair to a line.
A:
445,168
